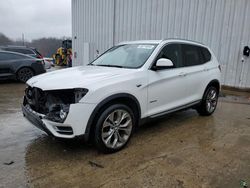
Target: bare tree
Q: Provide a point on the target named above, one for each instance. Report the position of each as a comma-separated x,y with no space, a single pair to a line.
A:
4,40
46,46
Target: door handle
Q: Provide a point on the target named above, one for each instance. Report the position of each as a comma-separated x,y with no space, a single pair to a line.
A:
205,69
183,74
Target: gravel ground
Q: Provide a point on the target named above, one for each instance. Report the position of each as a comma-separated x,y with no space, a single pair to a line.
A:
181,150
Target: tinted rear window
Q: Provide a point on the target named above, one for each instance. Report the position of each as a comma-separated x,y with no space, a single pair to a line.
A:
38,53
191,55
206,54
194,55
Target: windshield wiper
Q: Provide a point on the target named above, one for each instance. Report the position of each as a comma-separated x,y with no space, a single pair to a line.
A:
118,66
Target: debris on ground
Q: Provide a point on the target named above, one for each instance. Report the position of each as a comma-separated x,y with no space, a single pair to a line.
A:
8,163
243,184
93,164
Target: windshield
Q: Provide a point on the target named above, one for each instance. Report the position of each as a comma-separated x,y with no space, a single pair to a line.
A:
125,56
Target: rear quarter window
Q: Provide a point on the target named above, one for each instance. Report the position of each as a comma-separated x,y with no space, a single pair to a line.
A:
206,54
38,53
195,55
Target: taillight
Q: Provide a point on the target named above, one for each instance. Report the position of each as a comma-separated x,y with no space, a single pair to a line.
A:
39,56
219,68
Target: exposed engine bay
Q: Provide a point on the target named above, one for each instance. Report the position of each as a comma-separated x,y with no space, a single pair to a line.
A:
53,104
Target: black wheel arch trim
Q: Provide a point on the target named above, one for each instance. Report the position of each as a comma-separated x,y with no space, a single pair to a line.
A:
102,103
21,67
212,82
23,64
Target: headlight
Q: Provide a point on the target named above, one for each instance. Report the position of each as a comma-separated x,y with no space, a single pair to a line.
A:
54,104
63,114
58,113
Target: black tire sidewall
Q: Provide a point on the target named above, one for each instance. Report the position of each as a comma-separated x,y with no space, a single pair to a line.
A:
98,128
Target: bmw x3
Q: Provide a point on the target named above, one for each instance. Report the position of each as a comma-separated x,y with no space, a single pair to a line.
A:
127,85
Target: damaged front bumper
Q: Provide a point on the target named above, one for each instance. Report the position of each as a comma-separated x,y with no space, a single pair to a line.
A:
34,119
74,126
51,128
43,109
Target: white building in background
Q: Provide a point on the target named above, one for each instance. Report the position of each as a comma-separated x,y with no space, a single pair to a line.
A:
224,25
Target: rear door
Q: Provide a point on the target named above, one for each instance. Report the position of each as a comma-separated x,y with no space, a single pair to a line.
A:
195,61
10,62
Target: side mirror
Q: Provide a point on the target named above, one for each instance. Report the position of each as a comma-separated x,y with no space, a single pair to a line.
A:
163,63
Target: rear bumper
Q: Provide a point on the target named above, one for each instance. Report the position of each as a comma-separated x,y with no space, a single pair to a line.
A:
38,68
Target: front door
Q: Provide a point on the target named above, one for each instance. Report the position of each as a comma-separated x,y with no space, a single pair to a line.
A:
167,88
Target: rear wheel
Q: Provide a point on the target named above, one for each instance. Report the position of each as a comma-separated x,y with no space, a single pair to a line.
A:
24,74
209,102
114,128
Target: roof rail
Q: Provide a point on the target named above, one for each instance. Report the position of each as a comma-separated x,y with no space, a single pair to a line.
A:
183,40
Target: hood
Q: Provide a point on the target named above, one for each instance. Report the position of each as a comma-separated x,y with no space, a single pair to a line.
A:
76,77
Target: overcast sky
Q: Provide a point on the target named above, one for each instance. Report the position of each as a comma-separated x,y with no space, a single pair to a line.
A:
35,18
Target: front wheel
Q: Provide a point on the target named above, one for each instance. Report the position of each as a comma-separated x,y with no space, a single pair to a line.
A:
209,102
114,128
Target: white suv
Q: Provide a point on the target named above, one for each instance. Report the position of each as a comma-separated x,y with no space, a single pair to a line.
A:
128,84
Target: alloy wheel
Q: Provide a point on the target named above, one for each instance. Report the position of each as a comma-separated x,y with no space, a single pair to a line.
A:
211,100
116,129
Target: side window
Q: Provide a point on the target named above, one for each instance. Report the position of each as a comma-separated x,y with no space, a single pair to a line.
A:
24,51
27,51
191,55
20,50
206,54
10,56
172,52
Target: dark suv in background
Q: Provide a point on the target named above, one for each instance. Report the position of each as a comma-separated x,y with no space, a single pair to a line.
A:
19,66
23,50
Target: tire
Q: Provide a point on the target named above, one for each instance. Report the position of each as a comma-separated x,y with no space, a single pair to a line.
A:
209,102
24,74
111,134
